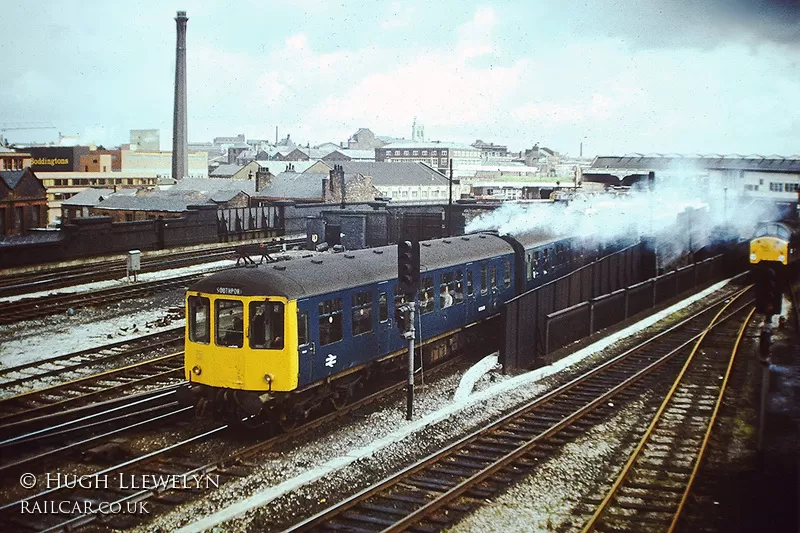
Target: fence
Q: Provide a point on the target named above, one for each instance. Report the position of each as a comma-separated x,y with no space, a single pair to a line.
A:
248,222
587,300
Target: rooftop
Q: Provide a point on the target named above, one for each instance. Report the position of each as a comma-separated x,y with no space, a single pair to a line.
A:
430,144
774,163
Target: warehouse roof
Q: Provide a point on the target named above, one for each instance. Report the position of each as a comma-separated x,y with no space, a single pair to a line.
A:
646,162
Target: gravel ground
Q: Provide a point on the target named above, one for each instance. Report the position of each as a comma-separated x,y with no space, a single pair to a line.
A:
550,500
312,475
306,477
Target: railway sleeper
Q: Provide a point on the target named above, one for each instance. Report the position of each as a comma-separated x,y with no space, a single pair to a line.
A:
406,498
383,509
361,518
348,528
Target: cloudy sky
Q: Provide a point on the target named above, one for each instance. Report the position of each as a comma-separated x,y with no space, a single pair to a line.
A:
686,76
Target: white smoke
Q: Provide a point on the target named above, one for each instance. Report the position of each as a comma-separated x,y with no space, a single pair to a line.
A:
684,212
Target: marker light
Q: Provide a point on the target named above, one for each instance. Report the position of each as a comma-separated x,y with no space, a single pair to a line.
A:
781,258
752,257
196,370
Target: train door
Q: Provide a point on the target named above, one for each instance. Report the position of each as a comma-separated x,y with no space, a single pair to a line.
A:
494,292
306,348
229,340
385,319
469,295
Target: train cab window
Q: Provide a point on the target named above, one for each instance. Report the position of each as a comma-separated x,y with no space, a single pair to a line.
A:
507,273
484,286
330,321
469,283
362,313
458,290
229,323
446,287
426,296
493,276
383,307
266,325
199,323
302,329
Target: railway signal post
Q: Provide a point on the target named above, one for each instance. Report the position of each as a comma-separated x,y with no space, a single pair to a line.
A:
408,283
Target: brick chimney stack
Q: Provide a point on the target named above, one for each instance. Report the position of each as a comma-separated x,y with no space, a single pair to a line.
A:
180,136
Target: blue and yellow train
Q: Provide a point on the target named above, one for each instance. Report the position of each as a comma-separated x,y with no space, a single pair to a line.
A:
284,338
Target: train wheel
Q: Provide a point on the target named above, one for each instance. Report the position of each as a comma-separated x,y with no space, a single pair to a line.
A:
340,398
287,422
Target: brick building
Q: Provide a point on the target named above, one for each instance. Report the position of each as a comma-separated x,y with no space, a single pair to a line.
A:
23,202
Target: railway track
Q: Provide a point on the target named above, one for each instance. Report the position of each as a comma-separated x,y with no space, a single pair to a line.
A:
652,489
180,458
435,491
50,278
84,428
41,406
29,308
56,278
87,361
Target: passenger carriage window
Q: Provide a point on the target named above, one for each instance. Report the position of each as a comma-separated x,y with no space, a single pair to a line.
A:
458,291
446,286
536,270
507,274
469,283
484,287
199,323
302,329
426,296
266,325
493,276
383,307
362,313
229,323
330,321
545,260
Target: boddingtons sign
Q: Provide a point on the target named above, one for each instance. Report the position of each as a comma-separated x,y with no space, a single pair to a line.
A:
49,161
56,158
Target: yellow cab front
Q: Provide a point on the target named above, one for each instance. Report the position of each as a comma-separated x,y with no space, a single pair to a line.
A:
241,343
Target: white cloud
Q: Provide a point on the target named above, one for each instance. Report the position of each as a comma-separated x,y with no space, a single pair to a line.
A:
441,87
475,37
398,15
509,74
